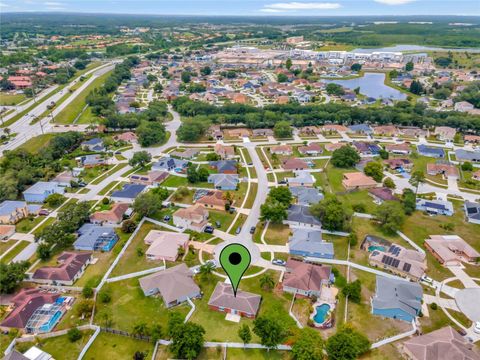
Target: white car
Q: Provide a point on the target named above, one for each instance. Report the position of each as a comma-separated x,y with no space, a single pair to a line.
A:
476,328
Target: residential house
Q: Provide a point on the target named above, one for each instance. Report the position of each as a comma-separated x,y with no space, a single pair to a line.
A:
312,149
40,191
6,232
329,128
302,178
398,149
95,238
34,353
189,153
238,133
215,132
213,199
225,152
399,164
463,106
110,217
435,207
128,193
445,169
413,132
366,148
472,139
170,164
306,195
12,212
444,133
430,151
466,155
334,146
472,212
397,299
442,344
305,279
194,217
362,129
224,181
164,245
451,250
175,285
310,130
225,166
152,178
285,150
128,136
357,180
242,303
300,216
309,243
95,144
70,268
92,160
476,175
65,178
262,132
386,130
382,194
295,164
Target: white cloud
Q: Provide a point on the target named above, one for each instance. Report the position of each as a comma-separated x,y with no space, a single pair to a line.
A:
52,3
303,6
394,2
2,4
272,10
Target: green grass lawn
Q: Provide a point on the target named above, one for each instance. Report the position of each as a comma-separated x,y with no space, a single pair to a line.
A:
252,194
35,144
129,306
110,346
70,112
46,223
277,234
175,181
225,218
7,99
14,252
238,223
89,174
113,170
27,224
59,346
5,245
94,273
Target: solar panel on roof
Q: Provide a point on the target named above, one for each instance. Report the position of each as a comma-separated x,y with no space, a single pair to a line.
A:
390,260
391,248
395,263
384,258
407,267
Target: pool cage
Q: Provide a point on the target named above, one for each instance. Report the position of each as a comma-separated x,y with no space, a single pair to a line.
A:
44,318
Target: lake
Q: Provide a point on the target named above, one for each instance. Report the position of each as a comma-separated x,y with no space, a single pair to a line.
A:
371,85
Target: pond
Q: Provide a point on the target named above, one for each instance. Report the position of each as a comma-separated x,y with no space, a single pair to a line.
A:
371,85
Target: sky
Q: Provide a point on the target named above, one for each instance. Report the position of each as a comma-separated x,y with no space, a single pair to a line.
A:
250,7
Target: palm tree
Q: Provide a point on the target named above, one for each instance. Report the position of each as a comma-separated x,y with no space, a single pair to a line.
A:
207,268
267,282
417,178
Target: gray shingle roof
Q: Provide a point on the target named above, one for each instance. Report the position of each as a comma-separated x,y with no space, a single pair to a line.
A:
397,294
301,214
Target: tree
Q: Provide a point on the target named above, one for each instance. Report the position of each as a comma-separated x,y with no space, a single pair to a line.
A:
389,183
186,77
467,166
129,226
354,291
158,88
281,194
409,201
271,331
245,334
345,157
356,67
417,178
335,89
206,70
55,200
274,211
74,334
140,329
288,63
443,61
85,308
375,170
331,212
347,344
282,129
207,269
416,88
147,203
105,297
44,252
140,158
391,216
203,174
150,133
309,345
281,78
156,332
383,154
139,355
11,275
187,340
212,157
267,282
192,174
87,292
409,66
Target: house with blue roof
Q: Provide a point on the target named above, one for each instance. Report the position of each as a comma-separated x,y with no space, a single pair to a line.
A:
363,129
224,181
435,207
128,193
225,166
91,160
466,155
309,243
299,216
430,151
170,164
95,144
38,192
95,238
397,299
12,212
306,195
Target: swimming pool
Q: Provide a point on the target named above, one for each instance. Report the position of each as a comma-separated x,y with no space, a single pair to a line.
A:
376,247
321,312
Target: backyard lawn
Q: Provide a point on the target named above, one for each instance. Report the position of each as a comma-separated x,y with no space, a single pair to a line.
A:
277,234
110,346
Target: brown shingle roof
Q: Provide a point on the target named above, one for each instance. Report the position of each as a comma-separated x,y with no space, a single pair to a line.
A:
245,302
305,276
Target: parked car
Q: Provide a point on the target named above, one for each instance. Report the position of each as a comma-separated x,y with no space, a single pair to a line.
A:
476,328
282,182
44,212
239,229
218,224
82,184
195,270
166,218
279,262
252,230
208,229
462,332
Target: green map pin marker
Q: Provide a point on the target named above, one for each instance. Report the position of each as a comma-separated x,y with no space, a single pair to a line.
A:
235,259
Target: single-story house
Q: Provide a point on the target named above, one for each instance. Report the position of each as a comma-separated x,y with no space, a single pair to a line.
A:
71,266
12,212
295,164
126,136
95,238
302,178
366,148
175,285
476,175
6,231
430,151
164,245
306,195
382,194
444,133
170,164
38,192
300,216
335,146
310,150
305,279
446,169
442,344
91,160
386,130
128,193
309,243
451,249
397,299
357,180
362,129
466,155
400,149
472,212
262,132
399,164
95,144
224,181
189,153
225,166
65,178
194,217
281,150
110,217
225,152
34,353
213,199
435,207
243,304
152,178
398,260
